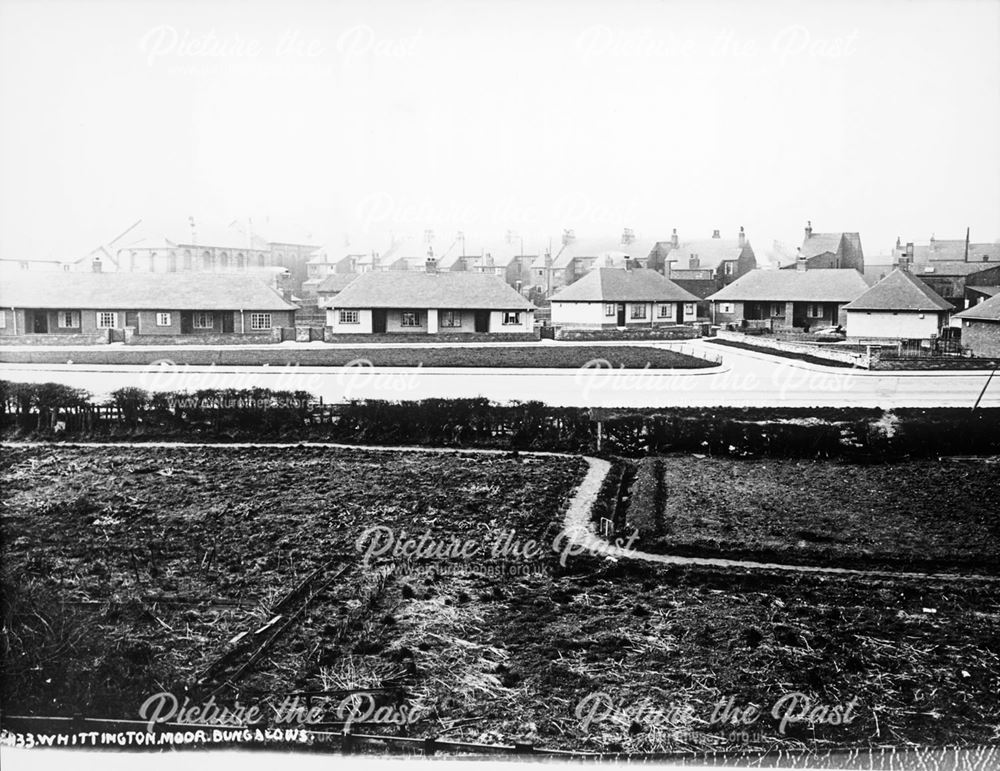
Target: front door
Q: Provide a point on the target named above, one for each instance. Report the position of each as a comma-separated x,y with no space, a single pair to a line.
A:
40,325
482,321
132,319
378,320
227,321
621,314
186,324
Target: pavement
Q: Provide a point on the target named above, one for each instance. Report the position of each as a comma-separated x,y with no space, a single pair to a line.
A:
746,378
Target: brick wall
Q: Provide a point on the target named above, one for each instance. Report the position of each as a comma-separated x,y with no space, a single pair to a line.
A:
232,338
100,337
455,337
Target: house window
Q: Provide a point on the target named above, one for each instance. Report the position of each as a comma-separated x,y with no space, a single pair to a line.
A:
162,319
66,268
350,317
107,320
725,307
3,319
451,319
777,309
68,319
638,311
689,309
663,311
260,321
815,310
204,320
409,319
729,268
609,309
511,317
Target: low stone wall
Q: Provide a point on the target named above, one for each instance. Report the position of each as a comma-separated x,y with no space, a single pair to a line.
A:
83,338
934,363
308,334
679,332
818,351
230,338
453,337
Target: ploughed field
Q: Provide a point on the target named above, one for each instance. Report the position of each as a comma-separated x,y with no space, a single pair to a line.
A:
907,515
131,571
503,356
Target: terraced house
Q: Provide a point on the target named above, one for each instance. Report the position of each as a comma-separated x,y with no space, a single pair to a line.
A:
429,302
108,307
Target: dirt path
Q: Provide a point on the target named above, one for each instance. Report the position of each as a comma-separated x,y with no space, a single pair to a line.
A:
577,523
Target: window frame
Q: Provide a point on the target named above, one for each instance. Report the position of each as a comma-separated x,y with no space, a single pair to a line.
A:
610,309
637,312
663,310
725,307
349,316
198,319
163,318
690,309
114,320
260,321
508,316
73,316
410,319
450,319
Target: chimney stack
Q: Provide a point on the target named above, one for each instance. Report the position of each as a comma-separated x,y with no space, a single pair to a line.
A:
674,240
801,263
96,265
715,234
628,236
431,266
899,243
568,237
743,238
809,229
694,262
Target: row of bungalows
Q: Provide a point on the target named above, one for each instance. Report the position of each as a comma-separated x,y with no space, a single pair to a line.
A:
100,307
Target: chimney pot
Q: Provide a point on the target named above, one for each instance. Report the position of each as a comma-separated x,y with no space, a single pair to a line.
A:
743,237
674,240
809,228
715,234
96,266
801,263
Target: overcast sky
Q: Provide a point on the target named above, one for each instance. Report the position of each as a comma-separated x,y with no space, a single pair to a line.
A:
333,118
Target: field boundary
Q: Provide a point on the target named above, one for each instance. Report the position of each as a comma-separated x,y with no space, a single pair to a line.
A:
578,522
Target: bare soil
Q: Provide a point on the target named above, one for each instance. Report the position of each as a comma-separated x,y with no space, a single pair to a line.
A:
129,571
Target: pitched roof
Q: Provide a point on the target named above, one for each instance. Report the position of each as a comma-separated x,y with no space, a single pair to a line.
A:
620,285
141,291
711,252
950,249
953,268
900,291
823,285
986,290
819,243
412,289
638,248
988,310
336,282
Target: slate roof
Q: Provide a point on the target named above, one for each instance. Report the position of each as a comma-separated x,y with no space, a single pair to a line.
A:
620,285
985,311
711,252
141,291
900,291
987,290
336,282
412,289
953,268
820,243
638,249
950,249
823,285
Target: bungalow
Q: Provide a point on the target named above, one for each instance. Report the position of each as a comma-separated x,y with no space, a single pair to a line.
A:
787,299
623,297
981,328
899,306
429,302
147,303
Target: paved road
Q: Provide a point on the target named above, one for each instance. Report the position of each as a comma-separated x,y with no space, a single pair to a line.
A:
745,379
